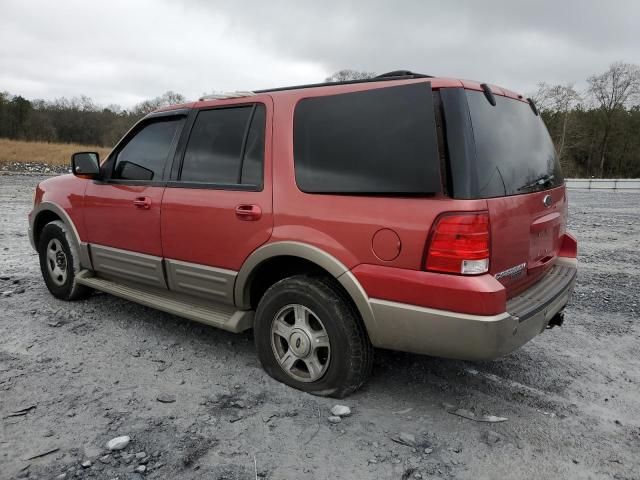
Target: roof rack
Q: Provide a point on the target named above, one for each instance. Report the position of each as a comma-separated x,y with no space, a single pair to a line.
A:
402,74
395,75
224,95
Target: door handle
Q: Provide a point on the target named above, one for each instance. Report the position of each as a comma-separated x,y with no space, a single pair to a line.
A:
142,202
248,213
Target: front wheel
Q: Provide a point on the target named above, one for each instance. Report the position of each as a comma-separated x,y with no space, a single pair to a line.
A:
309,336
59,263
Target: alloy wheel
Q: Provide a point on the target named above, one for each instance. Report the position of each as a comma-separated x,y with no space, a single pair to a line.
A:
300,343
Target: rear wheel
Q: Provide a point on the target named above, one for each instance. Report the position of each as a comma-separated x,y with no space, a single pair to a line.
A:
309,336
59,263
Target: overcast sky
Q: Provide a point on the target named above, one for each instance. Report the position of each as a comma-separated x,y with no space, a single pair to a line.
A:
125,51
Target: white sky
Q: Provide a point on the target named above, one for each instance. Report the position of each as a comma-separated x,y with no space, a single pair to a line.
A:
125,51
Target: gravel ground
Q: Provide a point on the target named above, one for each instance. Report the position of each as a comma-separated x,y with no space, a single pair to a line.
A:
33,168
196,403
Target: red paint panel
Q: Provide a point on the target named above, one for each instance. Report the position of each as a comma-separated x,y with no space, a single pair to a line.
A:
201,226
479,295
524,230
114,220
66,191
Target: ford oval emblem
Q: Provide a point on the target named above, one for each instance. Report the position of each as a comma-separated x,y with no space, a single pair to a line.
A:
547,200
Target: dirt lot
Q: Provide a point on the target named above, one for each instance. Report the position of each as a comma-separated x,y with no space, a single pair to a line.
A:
75,375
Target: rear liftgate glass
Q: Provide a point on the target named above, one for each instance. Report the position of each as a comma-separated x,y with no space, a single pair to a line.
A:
497,150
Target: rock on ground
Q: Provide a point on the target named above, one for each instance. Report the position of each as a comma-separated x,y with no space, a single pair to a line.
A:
340,411
119,443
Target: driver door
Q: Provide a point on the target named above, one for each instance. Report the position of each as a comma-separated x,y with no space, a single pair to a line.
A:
122,211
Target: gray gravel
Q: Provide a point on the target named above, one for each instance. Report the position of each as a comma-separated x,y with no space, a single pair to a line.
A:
75,375
33,168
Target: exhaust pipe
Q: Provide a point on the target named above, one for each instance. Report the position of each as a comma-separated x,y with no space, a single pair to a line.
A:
557,320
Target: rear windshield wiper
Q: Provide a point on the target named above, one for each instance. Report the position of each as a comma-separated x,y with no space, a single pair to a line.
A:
539,182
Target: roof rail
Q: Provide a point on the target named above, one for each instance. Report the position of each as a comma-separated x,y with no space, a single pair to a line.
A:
402,73
223,95
395,75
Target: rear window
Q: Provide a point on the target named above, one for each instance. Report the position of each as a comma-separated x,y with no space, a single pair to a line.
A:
376,141
514,152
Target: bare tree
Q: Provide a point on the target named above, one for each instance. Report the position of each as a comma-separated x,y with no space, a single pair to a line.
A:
346,75
611,92
541,97
167,98
560,99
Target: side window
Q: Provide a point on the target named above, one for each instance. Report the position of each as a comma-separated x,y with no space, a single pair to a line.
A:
252,166
226,146
375,141
145,154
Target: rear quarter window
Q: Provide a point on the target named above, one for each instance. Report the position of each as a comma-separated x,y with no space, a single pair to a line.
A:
376,141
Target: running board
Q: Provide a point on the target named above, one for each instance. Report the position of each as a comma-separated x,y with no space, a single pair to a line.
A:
226,317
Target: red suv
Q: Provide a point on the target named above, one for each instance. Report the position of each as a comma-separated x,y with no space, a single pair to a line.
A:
404,212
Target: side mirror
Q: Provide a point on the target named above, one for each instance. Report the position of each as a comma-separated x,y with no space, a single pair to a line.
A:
85,164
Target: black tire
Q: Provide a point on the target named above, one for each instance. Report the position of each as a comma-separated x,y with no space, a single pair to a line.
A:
63,285
351,353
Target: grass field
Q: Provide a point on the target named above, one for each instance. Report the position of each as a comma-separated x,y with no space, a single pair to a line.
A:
42,152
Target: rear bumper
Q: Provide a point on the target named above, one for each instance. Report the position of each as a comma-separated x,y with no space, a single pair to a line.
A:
442,333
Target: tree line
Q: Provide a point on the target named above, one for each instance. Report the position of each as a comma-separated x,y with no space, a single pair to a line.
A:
72,120
596,131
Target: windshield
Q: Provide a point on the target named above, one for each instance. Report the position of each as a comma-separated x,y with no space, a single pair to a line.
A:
514,152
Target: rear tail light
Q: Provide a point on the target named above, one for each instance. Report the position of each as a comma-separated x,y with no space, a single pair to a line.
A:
459,243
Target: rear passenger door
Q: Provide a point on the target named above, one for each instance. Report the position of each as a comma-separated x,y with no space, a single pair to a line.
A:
217,208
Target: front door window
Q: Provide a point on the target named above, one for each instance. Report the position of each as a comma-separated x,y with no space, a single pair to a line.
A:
144,156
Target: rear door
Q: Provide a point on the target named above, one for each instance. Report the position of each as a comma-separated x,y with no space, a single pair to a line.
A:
218,208
512,164
122,211
526,233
